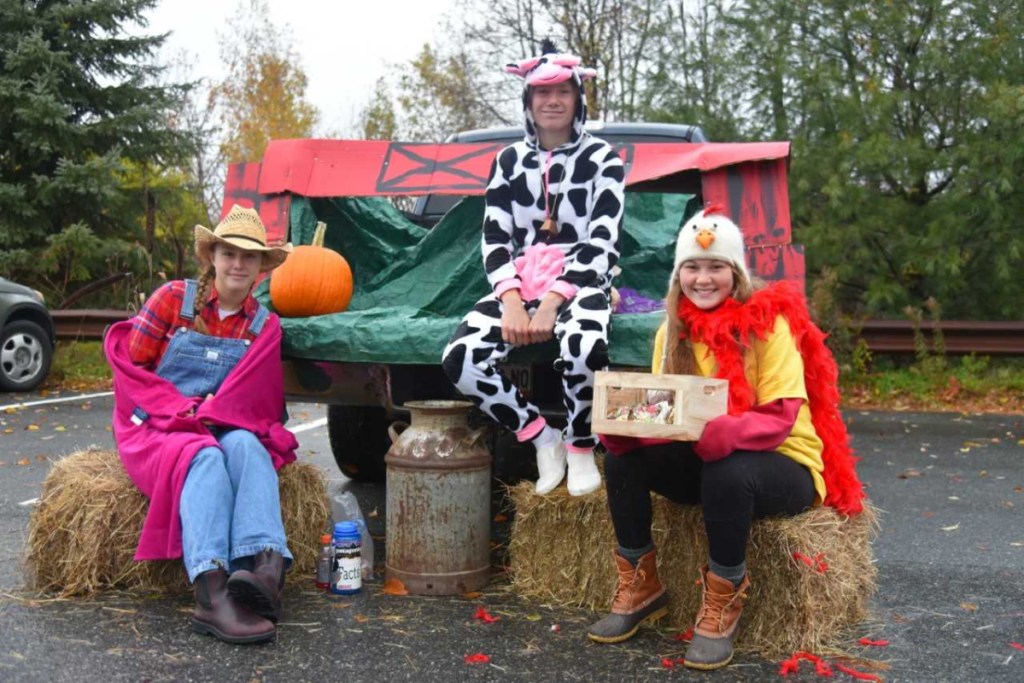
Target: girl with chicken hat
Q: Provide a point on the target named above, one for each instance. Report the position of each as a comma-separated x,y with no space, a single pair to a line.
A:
550,241
781,449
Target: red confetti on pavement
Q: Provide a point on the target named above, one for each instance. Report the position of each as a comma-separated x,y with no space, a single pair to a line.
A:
822,668
477,658
859,675
873,643
485,616
792,665
1017,646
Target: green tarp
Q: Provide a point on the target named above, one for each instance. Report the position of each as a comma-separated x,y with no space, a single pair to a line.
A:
413,285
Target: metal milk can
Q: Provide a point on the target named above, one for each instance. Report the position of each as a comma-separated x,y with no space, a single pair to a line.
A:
438,501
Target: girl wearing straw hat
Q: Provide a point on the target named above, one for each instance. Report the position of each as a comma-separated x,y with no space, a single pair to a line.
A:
550,244
199,399
781,448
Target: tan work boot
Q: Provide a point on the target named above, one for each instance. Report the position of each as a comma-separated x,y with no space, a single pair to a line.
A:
717,621
639,597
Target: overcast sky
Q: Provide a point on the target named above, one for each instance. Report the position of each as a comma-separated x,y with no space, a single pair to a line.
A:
345,45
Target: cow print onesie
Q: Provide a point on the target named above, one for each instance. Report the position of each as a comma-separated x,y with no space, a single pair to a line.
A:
585,187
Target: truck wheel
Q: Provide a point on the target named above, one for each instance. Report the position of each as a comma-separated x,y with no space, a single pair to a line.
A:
359,440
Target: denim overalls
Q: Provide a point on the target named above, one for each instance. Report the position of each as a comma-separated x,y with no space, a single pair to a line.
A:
229,508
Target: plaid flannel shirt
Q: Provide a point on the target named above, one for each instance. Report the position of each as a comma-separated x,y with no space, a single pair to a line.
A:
155,324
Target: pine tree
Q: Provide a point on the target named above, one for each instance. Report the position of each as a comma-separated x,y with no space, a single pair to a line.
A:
78,99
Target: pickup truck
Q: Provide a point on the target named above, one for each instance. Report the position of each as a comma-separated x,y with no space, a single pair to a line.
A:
417,273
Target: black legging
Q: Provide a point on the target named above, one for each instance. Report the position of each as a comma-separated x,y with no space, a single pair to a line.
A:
744,486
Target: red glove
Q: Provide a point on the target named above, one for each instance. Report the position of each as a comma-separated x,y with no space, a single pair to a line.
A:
762,428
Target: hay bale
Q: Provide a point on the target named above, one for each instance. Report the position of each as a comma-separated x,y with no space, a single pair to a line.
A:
83,533
792,606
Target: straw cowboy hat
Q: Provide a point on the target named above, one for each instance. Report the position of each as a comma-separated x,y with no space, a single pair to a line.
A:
241,228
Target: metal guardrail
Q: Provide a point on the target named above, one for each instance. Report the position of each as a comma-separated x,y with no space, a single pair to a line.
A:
85,323
983,337
986,338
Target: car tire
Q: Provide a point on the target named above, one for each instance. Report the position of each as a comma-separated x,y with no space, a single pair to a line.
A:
25,356
359,440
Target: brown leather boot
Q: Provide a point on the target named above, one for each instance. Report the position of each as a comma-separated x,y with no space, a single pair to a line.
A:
717,621
260,589
218,615
639,597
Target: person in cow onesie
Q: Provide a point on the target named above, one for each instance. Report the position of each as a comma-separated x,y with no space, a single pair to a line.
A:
781,448
554,205
198,410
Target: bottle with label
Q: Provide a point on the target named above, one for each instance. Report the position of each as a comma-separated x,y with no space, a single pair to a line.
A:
324,563
347,577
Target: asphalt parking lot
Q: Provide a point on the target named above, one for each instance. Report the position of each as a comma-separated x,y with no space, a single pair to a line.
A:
950,602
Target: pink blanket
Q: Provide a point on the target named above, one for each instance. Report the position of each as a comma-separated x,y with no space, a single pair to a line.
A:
156,451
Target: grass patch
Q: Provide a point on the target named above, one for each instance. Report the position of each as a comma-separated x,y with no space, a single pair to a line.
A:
969,384
80,366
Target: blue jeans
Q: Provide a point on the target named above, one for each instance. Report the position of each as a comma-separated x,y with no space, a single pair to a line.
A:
230,507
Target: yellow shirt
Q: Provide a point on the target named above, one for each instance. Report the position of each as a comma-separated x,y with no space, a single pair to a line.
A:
775,370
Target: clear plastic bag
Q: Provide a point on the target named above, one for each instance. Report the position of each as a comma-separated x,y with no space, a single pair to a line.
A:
345,508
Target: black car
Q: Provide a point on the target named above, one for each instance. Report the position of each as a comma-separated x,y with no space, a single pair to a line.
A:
26,337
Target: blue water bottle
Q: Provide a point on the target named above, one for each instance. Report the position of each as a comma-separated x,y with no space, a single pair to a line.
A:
347,577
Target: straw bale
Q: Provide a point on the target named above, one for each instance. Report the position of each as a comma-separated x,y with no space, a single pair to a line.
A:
83,533
560,553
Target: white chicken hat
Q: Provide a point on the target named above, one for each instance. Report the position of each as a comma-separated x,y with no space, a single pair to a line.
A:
709,234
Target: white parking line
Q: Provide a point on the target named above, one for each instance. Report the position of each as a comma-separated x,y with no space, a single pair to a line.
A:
48,401
306,426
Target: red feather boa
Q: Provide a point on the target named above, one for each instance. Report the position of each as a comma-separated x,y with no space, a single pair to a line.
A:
725,331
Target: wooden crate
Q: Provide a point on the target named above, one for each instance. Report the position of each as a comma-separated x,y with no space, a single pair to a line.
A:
694,401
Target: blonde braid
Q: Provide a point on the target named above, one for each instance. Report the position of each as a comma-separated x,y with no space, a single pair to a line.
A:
205,283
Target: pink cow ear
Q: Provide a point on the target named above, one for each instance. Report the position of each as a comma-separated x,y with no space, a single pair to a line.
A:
522,67
586,73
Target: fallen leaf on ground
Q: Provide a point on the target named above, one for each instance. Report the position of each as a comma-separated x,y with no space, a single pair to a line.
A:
500,518
908,473
362,618
32,428
472,595
24,461
394,587
968,607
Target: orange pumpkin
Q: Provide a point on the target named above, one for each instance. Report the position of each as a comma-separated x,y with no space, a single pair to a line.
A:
313,280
